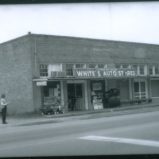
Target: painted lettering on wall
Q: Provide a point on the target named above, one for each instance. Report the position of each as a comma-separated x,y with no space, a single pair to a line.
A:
104,73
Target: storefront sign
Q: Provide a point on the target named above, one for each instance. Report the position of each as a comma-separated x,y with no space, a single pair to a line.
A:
41,83
104,73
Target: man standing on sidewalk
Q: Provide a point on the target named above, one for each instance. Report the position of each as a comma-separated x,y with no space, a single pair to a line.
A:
3,108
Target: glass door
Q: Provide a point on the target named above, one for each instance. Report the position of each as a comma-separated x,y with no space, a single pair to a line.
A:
75,96
140,92
97,94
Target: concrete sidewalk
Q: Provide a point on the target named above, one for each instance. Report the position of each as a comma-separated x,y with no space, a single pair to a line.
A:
39,119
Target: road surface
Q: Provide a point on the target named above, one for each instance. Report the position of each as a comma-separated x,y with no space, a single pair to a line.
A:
124,134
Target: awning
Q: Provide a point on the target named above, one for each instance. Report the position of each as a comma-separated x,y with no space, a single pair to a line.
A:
39,79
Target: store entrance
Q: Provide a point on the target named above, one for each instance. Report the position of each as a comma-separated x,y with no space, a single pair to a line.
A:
140,92
75,96
97,94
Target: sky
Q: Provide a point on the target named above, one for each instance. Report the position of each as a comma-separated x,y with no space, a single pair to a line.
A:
131,21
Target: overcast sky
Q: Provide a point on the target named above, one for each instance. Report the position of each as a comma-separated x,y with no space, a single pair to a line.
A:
133,21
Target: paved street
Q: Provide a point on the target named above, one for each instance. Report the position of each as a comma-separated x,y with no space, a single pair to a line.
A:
124,134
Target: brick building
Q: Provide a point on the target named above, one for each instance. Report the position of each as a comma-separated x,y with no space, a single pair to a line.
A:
34,68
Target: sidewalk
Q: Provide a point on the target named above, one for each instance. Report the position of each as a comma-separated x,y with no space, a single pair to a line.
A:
39,119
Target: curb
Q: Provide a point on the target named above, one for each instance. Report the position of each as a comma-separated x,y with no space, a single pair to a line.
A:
123,110
107,110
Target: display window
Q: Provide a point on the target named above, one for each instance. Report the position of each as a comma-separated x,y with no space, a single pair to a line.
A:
97,94
52,94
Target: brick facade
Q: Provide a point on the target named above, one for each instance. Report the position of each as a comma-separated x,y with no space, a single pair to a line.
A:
20,59
68,49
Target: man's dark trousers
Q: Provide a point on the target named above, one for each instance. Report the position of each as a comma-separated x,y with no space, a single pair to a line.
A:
4,113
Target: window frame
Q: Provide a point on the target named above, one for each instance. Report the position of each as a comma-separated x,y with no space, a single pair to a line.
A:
101,64
153,67
69,70
43,70
93,64
140,95
156,67
81,66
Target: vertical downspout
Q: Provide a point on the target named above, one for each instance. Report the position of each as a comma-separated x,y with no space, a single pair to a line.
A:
130,90
149,83
35,57
33,72
37,91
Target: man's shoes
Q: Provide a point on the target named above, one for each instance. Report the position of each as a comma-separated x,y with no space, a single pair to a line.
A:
5,123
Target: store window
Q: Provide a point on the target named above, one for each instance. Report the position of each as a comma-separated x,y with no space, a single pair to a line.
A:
79,66
134,67
55,70
101,66
111,66
130,66
117,65
105,66
69,69
97,94
92,65
43,70
151,70
52,94
142,70
156,70
121,66
124,66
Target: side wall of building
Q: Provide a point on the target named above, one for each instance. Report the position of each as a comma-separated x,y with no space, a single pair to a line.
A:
16,75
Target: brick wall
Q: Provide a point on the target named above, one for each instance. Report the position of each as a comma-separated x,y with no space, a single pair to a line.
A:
16,75
19,61
67,49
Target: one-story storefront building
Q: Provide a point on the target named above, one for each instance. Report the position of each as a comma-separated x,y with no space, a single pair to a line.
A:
36,68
